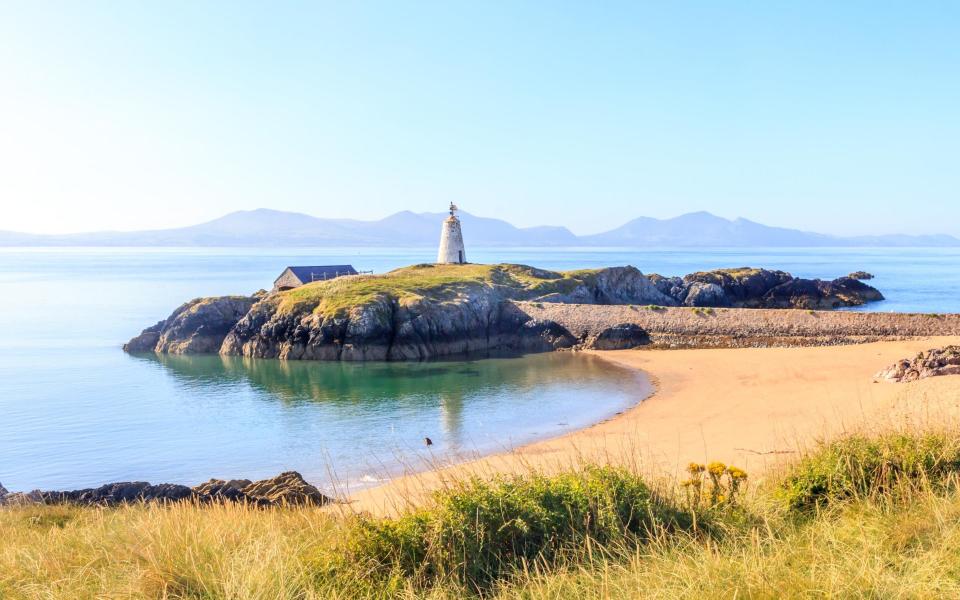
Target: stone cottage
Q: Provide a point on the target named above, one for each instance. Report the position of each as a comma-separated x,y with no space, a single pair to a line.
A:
296,276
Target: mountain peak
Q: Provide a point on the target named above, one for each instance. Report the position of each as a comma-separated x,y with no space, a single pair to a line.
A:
700,215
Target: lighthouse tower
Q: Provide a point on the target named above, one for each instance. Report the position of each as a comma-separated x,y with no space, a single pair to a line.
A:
451,240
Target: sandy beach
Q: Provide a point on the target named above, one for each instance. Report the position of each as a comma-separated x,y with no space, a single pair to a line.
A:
752,407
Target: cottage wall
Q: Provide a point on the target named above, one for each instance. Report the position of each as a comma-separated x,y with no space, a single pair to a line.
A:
286,280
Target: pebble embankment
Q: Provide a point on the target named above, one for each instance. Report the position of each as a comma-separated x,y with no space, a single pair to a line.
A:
683,327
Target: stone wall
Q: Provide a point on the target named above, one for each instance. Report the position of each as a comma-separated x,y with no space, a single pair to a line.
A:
286,281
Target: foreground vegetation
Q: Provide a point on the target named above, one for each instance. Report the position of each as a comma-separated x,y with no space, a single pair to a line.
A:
860,516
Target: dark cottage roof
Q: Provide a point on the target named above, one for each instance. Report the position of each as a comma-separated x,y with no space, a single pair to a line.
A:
308,274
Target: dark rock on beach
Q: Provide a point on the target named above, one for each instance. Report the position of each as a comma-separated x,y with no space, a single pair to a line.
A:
620,337
288,488
932,363
220,490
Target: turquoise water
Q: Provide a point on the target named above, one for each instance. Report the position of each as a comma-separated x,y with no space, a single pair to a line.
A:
77,411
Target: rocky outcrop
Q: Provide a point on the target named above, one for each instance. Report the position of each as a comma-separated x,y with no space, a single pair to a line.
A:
221,490
285,489
700,293
932,363
762,288
111,494
861,275
820,295
476,318
615,285
197,327
387,328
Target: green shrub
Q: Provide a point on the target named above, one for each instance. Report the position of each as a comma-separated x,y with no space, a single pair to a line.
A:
859,466
482,530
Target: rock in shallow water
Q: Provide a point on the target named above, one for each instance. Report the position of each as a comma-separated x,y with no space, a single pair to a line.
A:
196,327
747,287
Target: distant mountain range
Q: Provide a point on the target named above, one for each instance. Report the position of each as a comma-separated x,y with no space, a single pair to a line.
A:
263,227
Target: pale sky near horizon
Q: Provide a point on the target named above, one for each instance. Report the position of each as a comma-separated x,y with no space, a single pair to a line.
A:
834,117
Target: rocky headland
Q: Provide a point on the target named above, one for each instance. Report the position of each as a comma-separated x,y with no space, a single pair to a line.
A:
283,490
426,311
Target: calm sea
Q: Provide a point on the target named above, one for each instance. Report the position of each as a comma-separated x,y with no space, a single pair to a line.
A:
77,411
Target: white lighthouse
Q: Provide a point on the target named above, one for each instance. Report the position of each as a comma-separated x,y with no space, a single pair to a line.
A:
451,240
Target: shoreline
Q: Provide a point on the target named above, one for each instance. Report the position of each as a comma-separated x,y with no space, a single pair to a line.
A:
419,463
752,407
618,385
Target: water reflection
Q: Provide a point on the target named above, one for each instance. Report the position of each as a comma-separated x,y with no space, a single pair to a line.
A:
386,387
299,381
451,415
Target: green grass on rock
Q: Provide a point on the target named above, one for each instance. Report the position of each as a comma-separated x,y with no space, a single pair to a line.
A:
438,283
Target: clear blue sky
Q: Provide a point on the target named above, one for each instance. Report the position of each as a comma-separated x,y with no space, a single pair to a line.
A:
841,117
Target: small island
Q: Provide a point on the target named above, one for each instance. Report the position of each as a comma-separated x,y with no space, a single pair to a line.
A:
432,310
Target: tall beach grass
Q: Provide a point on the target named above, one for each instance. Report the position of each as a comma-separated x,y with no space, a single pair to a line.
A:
870,516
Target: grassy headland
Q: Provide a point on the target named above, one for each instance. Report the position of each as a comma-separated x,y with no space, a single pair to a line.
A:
435,282
860,516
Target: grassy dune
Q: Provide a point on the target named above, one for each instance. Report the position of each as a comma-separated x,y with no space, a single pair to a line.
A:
871,517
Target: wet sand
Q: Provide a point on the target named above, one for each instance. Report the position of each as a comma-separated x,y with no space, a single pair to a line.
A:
753,407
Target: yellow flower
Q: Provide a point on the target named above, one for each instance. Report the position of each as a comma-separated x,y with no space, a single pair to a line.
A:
736,473
694,468
716,468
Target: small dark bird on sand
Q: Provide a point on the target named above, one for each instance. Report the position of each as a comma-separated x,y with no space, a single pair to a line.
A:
427,441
